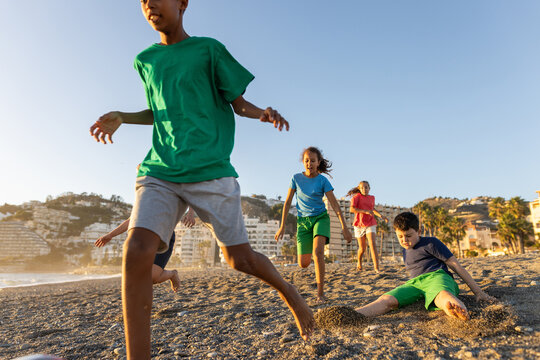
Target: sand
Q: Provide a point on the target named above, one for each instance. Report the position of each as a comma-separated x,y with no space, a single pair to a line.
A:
222,314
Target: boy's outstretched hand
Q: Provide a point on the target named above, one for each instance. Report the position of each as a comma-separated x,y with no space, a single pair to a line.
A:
272,116
485,297
104,128
102,241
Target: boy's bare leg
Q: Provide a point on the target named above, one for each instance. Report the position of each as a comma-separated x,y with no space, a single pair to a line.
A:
382,305
243,258
160,275
361,250
139,252
451,305
373,247
304,260
318,257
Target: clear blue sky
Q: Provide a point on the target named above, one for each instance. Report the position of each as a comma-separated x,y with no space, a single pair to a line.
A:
420,98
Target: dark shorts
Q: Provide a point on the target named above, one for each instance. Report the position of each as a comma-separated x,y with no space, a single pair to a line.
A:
426,286
161,260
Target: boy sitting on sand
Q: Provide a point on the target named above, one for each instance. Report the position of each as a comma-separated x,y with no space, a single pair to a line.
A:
427,261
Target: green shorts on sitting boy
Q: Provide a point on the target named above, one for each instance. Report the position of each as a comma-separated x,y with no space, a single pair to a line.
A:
427,261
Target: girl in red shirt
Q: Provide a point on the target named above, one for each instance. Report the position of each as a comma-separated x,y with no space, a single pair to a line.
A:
365,224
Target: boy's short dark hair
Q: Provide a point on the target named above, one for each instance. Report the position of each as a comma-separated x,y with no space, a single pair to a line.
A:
405,221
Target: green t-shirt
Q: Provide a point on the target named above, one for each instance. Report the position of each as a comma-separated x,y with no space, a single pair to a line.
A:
189,88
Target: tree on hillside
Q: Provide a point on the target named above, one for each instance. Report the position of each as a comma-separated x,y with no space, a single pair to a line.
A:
423,210
497,207
452,232
289,248
514,231
275,214
440,217
513,228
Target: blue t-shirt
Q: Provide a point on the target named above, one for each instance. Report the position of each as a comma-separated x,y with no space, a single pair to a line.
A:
428,255
309,194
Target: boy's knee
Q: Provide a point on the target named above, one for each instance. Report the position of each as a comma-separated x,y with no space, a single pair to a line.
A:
140,247
304,261
389,302
242,263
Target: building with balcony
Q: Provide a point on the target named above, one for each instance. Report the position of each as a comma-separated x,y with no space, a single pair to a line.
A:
338,247
19,242
535,215
480,235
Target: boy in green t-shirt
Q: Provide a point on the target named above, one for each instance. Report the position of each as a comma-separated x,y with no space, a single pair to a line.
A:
190,85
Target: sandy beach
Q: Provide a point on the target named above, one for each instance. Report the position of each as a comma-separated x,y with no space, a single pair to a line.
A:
222,314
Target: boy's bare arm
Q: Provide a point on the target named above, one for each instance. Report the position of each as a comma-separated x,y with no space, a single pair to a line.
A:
333,202
464,274
106,126
122,228
244,108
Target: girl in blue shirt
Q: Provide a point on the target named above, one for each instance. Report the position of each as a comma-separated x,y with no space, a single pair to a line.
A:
313,222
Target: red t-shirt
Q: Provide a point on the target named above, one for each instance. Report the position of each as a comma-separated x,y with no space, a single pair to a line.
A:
364,202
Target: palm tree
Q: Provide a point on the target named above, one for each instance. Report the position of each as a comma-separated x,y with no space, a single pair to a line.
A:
453,231
518,207
440,218
203,248
422,209
497,207
514,230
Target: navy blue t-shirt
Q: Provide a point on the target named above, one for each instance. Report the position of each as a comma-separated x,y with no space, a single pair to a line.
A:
428,255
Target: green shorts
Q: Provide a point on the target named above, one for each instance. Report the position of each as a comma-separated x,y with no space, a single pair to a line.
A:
307,228
427,285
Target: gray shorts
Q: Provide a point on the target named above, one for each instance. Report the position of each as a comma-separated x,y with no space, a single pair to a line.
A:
160,204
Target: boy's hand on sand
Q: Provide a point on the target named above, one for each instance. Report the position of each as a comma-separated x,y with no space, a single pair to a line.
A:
272,116
104,128
103,240
485,297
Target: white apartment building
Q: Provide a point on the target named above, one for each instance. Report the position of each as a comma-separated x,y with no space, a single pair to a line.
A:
96,230
338,246
195,246
535,215
479,236
261,236
19,242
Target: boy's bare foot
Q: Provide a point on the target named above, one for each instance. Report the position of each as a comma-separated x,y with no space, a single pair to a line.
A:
321,300
455,310
358,268
175,281
303,316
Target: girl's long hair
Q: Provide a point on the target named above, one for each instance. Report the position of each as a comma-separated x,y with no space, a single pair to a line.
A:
355,189
324,164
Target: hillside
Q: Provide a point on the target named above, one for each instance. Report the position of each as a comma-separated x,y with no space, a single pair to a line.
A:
68,214
476,209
